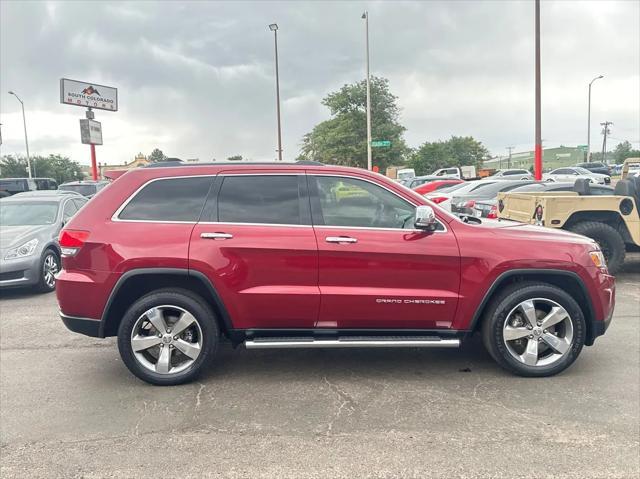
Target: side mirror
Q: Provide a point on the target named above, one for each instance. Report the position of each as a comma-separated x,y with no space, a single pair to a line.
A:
425,218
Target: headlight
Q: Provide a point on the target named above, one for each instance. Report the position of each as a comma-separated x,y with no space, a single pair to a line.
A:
598,260
26,249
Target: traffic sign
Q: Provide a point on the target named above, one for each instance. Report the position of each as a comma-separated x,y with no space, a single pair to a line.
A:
380,144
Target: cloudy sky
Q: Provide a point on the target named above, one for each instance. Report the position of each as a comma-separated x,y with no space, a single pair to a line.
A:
196,79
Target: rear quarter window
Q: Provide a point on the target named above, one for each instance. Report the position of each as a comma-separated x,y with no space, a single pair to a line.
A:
172,199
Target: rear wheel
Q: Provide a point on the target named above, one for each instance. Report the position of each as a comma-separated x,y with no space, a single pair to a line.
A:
534,329
167,337
609,240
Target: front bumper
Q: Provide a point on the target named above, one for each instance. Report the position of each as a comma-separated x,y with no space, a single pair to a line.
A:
606,296
20,272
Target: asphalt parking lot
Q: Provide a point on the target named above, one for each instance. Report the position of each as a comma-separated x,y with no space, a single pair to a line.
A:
69,408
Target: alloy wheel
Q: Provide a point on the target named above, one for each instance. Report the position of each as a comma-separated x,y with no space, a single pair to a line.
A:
50,268
538,332
166,339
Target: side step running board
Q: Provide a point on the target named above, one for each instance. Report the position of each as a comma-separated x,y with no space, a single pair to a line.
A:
353,342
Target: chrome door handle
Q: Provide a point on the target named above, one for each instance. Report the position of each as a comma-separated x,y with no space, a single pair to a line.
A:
216,236
340,239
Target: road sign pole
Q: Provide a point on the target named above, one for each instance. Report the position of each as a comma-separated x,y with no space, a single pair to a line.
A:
94,166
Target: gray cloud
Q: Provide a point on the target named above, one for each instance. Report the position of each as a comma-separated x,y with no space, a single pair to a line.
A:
196,78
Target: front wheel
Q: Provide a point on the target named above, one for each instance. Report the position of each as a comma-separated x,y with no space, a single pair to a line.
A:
168,337
534,329
49,267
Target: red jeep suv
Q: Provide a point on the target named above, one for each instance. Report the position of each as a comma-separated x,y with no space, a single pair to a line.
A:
302,255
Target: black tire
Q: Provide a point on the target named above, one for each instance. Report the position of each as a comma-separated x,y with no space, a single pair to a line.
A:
186,300
503,303
44,285
608,238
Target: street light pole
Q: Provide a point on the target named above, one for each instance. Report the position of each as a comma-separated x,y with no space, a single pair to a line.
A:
589,119
274,28
26,141
365,17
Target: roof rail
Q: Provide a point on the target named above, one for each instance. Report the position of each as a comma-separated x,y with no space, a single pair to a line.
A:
172,164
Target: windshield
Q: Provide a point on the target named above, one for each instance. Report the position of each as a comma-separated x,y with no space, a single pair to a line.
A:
582,171
84,190
27,214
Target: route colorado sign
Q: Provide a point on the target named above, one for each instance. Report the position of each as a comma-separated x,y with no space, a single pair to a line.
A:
88,95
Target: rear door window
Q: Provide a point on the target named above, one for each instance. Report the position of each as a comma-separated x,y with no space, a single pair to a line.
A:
69,210
171,199
264,199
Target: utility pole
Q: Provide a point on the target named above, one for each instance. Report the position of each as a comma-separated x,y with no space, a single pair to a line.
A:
589,119
510,148
365,17
538,147
274,28
605,132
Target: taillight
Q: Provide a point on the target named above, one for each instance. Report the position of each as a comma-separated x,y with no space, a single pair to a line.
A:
493,213
439,199
71,241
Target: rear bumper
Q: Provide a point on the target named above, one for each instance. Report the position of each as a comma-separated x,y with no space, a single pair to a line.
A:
86,326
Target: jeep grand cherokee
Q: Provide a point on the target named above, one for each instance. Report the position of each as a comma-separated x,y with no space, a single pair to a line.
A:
172,259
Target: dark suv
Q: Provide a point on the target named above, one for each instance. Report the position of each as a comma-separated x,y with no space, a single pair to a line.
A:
305,256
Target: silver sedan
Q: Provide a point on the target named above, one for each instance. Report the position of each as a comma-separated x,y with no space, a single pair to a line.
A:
29,228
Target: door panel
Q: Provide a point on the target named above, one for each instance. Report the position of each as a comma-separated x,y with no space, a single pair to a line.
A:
375,270
267,276
257,247
388,279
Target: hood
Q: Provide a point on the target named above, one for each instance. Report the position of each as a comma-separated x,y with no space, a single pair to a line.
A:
506,228
12,236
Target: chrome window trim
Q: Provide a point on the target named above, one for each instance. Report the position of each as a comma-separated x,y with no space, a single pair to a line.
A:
444,230
232,223
115,216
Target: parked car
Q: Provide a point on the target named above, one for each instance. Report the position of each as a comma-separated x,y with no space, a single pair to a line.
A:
444,196
11,186
173,259
512,174
489,208
459,172
462,203
29,250
571,174
436,185
86,188
616,170
418,180
596,167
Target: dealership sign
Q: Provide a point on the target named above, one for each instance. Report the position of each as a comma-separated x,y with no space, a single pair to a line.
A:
88,95
91,132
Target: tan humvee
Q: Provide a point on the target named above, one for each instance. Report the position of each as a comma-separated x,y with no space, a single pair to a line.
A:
630,164
612,221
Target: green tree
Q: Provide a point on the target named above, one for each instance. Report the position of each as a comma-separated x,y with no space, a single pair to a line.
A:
456,151
157,155
57,167
235,158
342,139
623,151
